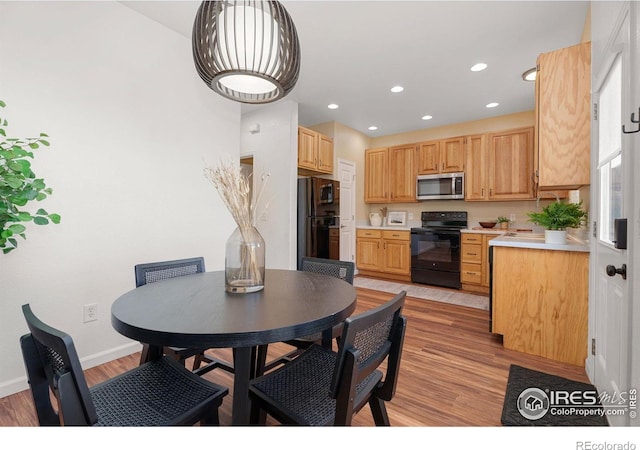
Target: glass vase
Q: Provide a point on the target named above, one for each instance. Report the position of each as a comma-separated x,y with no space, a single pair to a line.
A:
244,261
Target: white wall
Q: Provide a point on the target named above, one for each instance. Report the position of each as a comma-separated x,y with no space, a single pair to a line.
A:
275,151
130,124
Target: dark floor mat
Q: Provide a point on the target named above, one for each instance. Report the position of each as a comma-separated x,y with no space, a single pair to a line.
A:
535,407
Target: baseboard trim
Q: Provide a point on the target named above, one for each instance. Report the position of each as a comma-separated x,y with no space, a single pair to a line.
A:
20,384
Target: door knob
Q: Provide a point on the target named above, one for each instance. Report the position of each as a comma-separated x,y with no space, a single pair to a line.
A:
612,271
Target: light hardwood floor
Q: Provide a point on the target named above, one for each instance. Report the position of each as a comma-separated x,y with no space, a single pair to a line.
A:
453,371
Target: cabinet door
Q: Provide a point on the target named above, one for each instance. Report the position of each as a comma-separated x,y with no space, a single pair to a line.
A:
452,155
376,175
368,251
485,258
510,165
334,243
325,154
563,113
402,175
475,183
397,256
307,148
428,157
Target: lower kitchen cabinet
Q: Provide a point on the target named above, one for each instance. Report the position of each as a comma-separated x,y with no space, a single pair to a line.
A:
474,264
334,243
384,253
539,302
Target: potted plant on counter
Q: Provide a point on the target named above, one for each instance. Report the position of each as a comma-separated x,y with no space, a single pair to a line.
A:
556,218
504,222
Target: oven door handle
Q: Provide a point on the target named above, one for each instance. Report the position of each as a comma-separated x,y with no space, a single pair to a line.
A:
441,232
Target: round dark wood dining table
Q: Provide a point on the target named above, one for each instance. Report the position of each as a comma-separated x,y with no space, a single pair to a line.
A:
195,311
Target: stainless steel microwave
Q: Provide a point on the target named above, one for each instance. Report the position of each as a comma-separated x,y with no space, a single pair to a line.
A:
441,186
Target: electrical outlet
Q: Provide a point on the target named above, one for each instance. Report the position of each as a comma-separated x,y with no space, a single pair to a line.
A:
90,312
410,216
512,217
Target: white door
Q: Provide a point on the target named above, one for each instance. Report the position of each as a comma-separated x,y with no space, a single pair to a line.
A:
347,178
611,307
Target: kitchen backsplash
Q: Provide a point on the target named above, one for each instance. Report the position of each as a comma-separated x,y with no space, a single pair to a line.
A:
477,211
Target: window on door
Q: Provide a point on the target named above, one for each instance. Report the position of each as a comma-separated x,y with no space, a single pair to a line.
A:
609,151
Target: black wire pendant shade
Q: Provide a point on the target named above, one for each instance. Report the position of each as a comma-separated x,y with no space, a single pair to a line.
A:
247,51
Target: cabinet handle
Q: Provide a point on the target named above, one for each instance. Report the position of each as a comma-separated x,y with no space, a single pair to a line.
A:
471,273
472,254
482,193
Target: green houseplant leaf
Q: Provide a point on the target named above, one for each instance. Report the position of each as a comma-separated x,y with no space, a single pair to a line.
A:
19,186
559,216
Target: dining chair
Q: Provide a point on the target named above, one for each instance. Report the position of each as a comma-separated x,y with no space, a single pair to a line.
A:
162,270
157,393
338,269
322,387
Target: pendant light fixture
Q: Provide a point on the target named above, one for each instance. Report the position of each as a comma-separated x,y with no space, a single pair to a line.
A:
247,51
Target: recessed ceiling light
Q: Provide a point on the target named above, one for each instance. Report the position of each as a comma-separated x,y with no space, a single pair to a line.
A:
397,89
332,106
478,67
492,105
427,117
373,128
530,75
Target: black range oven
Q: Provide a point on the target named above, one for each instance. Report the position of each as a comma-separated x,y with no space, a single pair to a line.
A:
435,248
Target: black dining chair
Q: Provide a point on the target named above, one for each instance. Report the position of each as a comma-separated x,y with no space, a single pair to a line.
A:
343,270
322,387
162,270
157,393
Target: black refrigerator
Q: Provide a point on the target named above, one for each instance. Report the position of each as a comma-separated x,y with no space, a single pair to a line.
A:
318,211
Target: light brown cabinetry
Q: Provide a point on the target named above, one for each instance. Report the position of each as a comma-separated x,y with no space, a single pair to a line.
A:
334,243
390,175
563,118
442,156
539,302
315,151
474,266
500,166
475,175
384,253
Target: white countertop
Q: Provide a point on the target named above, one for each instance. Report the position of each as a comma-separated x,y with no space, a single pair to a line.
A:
496,231
369,227
535,240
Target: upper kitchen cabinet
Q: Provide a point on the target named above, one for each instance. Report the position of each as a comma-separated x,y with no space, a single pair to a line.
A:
315,151
500,166
563,119
390,175
475,182
510,167
443,156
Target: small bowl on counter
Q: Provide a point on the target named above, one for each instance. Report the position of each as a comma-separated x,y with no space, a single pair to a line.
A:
488,224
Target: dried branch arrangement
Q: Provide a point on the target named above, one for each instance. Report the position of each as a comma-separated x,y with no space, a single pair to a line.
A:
244,265
235,191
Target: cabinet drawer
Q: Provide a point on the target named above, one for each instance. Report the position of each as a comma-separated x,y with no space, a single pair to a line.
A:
471,273
396,235
471,238
334,232
361,232
472,253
